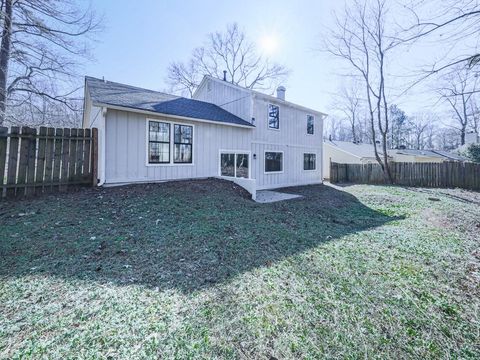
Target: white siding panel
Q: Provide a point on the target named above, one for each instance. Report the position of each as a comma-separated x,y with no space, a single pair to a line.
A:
126,149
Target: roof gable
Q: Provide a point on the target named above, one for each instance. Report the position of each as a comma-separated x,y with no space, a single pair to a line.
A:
135,98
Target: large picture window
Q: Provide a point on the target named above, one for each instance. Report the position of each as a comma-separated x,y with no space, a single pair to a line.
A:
273,161
158,142
273,116
309,162
310,124
183,144
234,165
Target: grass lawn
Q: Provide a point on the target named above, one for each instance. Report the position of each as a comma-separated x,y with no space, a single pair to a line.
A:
198,270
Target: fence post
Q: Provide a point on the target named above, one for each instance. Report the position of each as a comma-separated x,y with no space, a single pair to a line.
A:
94,159
3,156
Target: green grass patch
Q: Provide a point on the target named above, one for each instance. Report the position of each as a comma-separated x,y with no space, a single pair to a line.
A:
198,270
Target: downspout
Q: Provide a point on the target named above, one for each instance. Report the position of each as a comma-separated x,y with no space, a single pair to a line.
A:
101,147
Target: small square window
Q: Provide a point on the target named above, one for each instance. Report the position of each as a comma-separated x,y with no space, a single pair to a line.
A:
310,124
273,161
309,162
273,116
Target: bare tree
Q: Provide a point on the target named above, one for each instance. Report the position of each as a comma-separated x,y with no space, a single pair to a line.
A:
460,86
349,103
233,52
42,41
453,23
475,116
423,130
362,39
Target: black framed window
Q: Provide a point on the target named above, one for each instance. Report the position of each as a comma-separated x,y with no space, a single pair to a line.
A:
158,142
227,165
273,116
234,165
309,162
310,124
273,161
183,144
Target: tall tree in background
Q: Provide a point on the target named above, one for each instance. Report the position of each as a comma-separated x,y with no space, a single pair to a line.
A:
233,52
399,127
364,41
42,43
458,90
349,103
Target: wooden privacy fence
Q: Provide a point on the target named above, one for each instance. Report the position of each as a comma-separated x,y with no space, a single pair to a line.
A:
51,159
464,175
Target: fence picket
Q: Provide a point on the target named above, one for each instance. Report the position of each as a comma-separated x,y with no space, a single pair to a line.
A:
3,157
23,162
31,152
42,141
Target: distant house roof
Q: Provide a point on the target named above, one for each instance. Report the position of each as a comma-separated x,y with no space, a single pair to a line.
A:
445,155
451,156
126,96
359,150
422,153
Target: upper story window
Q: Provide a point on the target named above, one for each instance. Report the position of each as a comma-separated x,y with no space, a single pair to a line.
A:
273,116
310,124
158,142
182,144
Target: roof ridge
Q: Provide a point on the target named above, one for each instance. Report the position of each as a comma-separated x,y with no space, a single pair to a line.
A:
150,90
131,86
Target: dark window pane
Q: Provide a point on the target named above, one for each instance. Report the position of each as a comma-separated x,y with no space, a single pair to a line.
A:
309,161
182,153
159,152
242,165
310,124
273,161
159,142
227,164
273,116
183,134
159,131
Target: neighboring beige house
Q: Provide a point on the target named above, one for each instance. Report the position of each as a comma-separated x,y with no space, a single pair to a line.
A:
346,152
256,140
424,156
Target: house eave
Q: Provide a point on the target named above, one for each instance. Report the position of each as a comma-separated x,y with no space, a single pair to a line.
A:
154,113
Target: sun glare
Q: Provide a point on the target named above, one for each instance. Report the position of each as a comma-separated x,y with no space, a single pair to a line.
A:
269,44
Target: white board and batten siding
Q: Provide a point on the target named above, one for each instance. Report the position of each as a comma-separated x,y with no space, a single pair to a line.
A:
291,138
125,151
126,148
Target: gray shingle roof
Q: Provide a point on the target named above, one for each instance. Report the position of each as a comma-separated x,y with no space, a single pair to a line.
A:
360,150
112,93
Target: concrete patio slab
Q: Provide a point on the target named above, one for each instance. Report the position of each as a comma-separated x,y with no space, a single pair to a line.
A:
268,196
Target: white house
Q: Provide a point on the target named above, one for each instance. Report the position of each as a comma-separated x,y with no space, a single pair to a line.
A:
347,152
256,140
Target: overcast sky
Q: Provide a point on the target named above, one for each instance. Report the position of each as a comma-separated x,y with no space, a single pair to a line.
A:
141,38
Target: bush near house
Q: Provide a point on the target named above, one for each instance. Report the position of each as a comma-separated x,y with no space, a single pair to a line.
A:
198,270
473,152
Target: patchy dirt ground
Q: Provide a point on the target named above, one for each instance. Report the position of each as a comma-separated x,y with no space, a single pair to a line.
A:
196,269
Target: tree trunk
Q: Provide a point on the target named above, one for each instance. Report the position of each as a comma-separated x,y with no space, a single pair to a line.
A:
5,57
